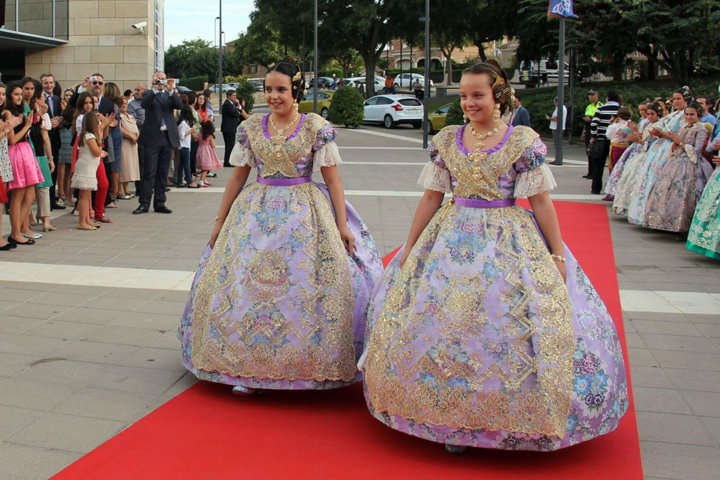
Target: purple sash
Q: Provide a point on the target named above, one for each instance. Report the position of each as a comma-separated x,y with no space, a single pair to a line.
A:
283,182
480,203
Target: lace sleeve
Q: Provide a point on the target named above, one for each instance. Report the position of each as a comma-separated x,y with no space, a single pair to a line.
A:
326,153
242,155
435,175
534,176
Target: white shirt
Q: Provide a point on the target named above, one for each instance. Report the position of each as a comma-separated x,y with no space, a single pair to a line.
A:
183,128
553,123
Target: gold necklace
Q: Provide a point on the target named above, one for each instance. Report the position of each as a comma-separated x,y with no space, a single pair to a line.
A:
280,136
482,136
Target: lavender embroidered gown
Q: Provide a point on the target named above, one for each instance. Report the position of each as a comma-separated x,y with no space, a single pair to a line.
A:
476,340
279,303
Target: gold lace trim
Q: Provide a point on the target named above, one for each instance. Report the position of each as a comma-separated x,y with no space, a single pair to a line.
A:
487,396
480,178
237,269
281,158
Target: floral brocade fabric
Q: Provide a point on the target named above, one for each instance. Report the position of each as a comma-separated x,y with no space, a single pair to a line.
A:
704,235
476,340
278,302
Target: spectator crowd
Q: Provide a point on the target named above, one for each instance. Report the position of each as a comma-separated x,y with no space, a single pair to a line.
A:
91,146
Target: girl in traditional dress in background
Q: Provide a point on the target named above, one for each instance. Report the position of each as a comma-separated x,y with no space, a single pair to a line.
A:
657,155
280,298
485,331
623,180
704,235
672,199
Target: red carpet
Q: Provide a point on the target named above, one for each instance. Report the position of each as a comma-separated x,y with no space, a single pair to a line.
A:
207,433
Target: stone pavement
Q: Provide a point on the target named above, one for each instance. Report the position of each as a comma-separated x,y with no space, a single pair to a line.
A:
88,319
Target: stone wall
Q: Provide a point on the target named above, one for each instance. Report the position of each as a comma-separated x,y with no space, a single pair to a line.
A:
101,39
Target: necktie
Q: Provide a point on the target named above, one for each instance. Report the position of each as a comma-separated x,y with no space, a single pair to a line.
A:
48,100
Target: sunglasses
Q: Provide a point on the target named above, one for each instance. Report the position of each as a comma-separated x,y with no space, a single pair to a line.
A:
98,83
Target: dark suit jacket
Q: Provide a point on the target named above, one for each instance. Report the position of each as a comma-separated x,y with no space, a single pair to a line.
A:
231,117
522,117
56,110
158,108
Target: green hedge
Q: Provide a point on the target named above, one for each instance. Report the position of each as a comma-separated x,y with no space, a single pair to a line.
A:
194,83
246,91
347,107
539,101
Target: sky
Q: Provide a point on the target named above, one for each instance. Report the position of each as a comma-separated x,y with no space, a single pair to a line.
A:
191,19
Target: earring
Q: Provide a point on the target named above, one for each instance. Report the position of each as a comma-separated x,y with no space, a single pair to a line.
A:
296,106
465,118
496,113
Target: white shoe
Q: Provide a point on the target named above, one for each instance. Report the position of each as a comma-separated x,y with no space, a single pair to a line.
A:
34,236
242,390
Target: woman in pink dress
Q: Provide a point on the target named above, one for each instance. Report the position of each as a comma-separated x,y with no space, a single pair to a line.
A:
207,159
26,171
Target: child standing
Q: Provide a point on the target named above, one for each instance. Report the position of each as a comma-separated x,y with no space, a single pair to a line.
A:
185,130
207,159
618,133
85,177
6,172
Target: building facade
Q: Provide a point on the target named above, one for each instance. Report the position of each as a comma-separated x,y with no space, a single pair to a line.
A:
122,39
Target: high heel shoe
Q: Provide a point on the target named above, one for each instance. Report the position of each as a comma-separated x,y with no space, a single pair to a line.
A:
33,236
243,391
455,449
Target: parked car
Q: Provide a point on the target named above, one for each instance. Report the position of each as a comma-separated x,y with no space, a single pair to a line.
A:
324,101
323,83
379,83
258,83
407,80
438,117
391,110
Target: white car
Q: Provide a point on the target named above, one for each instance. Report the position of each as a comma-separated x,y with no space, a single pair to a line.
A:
407,80
391,110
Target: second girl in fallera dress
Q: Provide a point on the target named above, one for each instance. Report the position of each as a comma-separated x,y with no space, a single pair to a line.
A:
280,298
485,331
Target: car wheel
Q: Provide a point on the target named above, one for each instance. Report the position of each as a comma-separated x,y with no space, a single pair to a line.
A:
417,124
324,113
388,122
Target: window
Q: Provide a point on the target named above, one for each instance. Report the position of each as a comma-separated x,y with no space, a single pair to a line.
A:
409,102
384,101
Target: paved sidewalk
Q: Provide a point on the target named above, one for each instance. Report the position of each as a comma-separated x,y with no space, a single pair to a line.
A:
84,352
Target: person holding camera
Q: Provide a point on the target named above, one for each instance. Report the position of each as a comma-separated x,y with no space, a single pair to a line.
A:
160,139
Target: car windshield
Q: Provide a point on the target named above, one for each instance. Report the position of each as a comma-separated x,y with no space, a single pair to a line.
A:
409,102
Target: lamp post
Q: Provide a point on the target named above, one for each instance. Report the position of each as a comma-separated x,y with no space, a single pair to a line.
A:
426,124
220,54
315,56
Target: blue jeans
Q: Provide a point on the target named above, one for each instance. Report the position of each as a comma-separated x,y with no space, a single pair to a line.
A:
184,165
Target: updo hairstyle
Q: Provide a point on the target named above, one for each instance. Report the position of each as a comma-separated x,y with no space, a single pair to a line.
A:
297,79
657,108
697,107
686,92
498,81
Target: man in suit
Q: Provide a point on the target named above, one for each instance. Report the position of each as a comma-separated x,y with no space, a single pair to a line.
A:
160,138
55,111
232,115
521,116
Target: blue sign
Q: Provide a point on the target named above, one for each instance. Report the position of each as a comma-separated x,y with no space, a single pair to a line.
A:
561,8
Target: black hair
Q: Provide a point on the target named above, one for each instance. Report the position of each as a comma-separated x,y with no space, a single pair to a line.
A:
229,93
191,98
15,110
207,129
624,113
498,81
186,114
614,96
657,108
686,92
297,78
698,108
127,93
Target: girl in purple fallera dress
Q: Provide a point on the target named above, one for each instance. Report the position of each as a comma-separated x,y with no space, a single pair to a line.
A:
485,331
281,295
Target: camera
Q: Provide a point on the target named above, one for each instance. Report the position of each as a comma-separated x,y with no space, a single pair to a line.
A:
160,81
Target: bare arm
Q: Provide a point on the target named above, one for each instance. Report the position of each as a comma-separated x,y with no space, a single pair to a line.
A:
337,195
547,219
429,204
234,185
14,138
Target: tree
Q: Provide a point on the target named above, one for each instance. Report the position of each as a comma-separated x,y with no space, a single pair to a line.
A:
191,58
